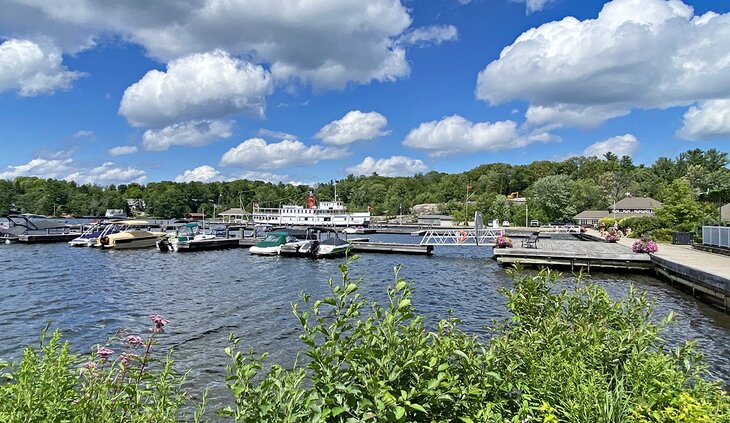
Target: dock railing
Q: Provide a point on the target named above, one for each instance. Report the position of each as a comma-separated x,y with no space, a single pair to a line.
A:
716,236
466,236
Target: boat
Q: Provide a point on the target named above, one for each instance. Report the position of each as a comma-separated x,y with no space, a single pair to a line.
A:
131,236
320,243
323,213
91,236
186,235
330,244
353,230
31,224
271,245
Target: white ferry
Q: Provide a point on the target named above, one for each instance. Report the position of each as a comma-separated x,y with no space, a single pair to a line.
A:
324,213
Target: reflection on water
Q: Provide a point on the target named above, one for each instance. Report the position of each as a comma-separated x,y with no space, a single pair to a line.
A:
89,294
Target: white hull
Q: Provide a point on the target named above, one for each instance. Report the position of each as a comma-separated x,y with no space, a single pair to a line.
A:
265,251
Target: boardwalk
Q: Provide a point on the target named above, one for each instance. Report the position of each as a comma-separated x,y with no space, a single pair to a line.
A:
574,253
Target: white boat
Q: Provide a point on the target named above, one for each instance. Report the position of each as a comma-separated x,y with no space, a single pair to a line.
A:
272,244
132,236
323,213
186,234
91,236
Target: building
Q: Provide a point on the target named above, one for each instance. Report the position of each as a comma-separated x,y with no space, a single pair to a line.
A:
590,217
725,213
635,206
234,215
627,207
435,220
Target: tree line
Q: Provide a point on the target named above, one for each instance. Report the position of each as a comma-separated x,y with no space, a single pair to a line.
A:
555,190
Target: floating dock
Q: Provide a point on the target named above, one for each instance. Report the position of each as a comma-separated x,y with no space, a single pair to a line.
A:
574,254
391,248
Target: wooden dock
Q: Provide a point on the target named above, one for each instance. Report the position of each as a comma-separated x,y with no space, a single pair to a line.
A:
391,248
574,254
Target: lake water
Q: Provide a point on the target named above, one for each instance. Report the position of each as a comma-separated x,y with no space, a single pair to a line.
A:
89,294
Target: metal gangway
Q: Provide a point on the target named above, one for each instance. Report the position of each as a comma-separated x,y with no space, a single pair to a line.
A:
477,236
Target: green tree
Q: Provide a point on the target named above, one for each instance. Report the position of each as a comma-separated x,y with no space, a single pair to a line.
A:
680,211
500,208
552,196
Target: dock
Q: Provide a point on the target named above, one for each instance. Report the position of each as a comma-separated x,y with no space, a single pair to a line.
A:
702,273
574,254
391,248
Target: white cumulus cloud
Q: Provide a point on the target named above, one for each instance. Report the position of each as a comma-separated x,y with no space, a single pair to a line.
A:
203,173
108,173
622,145
327,43
199,86
40,167
455,134
435,34
257,154
194,133
708,121
635,54
354,126
32,69
122,149
393,166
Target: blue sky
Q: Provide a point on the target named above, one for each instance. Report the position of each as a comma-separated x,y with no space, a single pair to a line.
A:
305,91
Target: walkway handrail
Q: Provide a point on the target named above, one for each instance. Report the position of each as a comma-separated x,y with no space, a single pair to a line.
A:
718,236
471,237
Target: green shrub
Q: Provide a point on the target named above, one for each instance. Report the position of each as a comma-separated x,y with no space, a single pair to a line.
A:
565,355
572,355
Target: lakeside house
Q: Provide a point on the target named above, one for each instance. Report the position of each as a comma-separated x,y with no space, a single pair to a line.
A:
235,214
725,213
627,207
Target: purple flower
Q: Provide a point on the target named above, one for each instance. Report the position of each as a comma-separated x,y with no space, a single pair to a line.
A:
159,322
90,365
126,358
133,340
104,353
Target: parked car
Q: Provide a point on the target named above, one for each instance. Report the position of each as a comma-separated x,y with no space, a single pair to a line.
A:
534,223
505,223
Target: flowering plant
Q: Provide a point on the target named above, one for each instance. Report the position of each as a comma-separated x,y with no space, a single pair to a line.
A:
504,242
612,238
645,246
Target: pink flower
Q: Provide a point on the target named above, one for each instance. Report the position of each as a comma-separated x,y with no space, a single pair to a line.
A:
90,365
159,322
104,353
133,340
125,358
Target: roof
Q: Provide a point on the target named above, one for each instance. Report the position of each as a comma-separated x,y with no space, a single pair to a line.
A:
591,214
233,212
642,203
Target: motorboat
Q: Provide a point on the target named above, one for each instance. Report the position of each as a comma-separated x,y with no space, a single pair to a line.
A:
131,236
271,245
91,236
322,243
330,244
186,235
353,230
32,224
